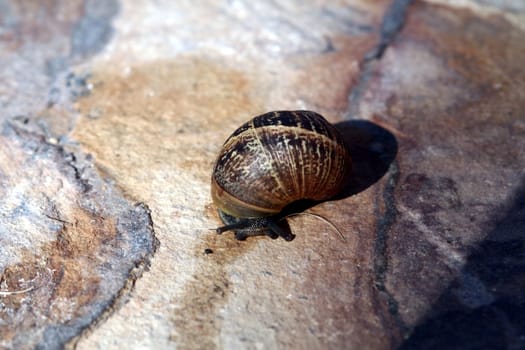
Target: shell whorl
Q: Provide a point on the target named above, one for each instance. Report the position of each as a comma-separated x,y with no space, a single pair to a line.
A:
278,158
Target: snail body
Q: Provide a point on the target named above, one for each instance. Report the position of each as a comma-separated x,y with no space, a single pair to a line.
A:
271,161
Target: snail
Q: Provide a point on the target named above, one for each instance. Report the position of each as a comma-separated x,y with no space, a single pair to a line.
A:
276,159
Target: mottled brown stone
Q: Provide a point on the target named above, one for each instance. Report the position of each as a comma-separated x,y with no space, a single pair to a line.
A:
114,104
450,87
63,238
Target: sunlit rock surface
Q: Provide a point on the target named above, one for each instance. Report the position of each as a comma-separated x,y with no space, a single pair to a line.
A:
113,113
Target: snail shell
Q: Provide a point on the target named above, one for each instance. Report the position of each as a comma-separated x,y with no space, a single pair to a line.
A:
276,159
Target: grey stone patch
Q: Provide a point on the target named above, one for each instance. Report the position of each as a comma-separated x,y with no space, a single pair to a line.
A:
93,31
84,244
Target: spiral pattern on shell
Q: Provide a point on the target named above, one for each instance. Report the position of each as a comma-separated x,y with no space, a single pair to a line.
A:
278,158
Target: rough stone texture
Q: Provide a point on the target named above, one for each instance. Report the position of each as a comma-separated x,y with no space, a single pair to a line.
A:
458,199
71,246
433,216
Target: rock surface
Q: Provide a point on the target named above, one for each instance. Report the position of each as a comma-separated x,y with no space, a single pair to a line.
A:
113,114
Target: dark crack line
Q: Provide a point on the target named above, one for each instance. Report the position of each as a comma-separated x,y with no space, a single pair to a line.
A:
21,129
386,214
72,162
122,297
393,21
385,211
58,219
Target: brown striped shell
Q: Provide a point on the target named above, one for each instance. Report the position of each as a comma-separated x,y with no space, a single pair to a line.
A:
278,158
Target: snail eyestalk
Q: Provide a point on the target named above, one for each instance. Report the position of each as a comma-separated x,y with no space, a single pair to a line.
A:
331,224
237,226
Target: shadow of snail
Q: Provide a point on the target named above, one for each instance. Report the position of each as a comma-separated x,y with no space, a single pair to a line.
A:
281,163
